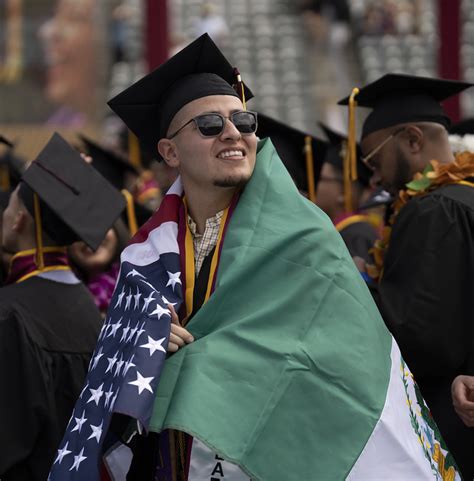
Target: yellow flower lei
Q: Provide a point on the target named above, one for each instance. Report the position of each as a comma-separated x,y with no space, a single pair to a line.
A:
434,176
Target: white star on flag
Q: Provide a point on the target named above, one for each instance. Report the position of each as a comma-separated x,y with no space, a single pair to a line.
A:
112,361
96,394
135,273
61,453
112,403
96,432
104,328
83,391
108,395
154,345
79,422
125,332
142,383
96,358
128,299
136,298
132,333
128,365
148,284
139,333
160,311
78,460
114,328
166,302
119,365
120,297
147,301
173,279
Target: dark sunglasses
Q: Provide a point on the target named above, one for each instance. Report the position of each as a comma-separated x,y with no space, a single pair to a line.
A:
212,125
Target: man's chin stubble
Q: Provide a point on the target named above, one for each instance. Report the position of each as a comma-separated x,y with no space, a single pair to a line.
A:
231,182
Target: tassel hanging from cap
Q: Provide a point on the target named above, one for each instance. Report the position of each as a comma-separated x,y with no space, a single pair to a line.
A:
308,147
134,150
350,156
240,88
131,217
39,256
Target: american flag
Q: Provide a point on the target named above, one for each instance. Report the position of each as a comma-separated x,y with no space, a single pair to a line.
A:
125,368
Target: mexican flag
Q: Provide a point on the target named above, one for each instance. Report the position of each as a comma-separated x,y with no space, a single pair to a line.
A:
293,374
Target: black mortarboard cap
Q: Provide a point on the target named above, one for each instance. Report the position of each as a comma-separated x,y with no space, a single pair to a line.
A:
77,203
336,151
149,105
400,98
465,127
290,145
110,164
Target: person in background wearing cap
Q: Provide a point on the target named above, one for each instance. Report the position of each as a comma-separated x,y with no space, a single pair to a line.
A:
425,264
318,173
301,153
48,321
99,268
358,230
11,168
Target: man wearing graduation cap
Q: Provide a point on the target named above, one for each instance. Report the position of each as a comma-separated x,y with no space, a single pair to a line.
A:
426,263
278,366
341,202
301,153
11,168
48,321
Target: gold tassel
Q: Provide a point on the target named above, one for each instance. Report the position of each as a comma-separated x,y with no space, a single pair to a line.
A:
134,150
132,218
39,258
350,158
240,86
310,168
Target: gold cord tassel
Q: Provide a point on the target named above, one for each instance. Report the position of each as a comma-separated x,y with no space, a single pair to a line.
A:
350,158
240,87
134,150
132,218
39,258
310,168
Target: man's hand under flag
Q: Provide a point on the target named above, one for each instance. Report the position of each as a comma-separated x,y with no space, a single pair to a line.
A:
179,335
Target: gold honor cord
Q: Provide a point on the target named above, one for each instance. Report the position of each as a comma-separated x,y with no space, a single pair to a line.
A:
350,158
38,233
131,217
134,150
30,252
310,168
10,71
215,257
189,261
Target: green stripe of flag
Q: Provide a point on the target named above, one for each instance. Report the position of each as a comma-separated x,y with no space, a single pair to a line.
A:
289,370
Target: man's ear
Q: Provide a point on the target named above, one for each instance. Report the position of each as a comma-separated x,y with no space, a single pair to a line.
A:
168,150
415,138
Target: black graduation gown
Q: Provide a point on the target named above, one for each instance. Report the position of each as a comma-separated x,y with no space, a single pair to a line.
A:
426,299
48,331
359,237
